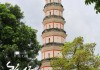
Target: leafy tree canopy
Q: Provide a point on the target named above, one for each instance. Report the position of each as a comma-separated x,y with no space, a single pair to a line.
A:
16,37
77,56
96,2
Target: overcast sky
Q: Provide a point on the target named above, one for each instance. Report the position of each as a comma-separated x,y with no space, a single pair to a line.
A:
81,20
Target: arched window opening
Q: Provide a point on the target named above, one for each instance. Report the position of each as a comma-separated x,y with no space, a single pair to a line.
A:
46,1
58,53
49,26
56,25
49,40
50,1
48,55
58,1
50,13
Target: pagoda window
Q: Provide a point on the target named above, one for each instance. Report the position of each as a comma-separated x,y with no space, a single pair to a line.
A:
49,40
50,1
56,25
48,55
49,26
46,1
50,13
58,1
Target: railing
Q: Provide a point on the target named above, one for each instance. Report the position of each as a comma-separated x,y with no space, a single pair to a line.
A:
53,16
54,29
53,3
53,43
48,59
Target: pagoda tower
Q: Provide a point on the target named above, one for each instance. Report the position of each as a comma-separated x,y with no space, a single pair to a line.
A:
53,35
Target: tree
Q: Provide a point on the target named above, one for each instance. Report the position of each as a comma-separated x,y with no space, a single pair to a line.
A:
96,2
18,42
77,56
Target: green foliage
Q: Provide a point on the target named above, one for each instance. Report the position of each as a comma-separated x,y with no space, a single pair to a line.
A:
16,36
77,56
96,2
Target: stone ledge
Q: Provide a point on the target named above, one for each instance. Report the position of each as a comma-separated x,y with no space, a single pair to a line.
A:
53,31
53,7
53,19
51,48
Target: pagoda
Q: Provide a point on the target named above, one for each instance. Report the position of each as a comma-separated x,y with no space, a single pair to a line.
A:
53,35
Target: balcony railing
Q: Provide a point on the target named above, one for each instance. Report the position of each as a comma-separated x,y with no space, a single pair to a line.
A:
53,3
53,16
53,44
54,29
48,59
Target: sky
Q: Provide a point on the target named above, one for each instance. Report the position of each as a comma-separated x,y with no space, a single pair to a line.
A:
81,20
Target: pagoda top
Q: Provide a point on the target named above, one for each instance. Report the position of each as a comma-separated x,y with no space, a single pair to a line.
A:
50,1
